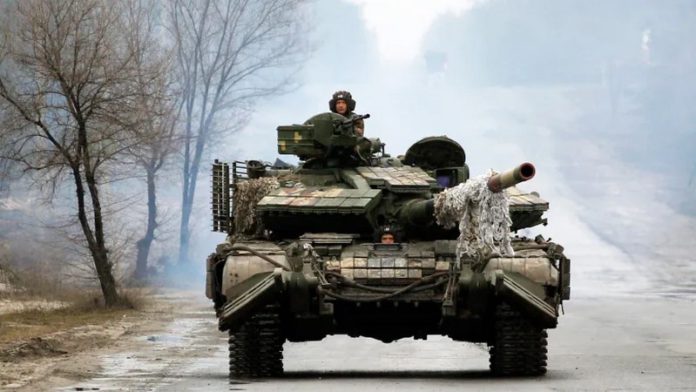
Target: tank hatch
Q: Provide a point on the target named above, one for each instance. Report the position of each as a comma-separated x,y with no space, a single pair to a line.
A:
435,152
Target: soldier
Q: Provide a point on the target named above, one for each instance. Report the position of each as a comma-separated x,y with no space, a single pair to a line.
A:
387,235
342,103
387,238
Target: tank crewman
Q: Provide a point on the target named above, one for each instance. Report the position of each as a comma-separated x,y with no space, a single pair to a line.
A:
342,102
387,235
387,238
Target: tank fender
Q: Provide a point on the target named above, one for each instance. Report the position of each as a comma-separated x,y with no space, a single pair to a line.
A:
210,289
263,289
242,264
534,265
516,290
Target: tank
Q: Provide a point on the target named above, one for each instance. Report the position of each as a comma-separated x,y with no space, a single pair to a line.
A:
304,256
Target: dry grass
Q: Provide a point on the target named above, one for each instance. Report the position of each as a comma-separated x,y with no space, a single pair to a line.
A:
41,282
46,284
46,303
25,325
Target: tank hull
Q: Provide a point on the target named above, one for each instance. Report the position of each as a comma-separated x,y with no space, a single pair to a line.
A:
392,292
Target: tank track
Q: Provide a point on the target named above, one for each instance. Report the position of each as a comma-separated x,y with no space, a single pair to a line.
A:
256,349
519,348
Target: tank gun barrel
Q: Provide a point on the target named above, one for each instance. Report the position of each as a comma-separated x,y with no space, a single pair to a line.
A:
417,213
521,173
420,212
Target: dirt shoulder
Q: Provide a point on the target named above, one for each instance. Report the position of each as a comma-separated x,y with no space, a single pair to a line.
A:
42,349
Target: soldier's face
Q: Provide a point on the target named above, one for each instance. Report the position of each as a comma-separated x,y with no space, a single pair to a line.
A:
387,238
341,107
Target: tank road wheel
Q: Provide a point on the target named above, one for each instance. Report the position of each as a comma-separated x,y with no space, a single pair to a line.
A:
519,348
256,349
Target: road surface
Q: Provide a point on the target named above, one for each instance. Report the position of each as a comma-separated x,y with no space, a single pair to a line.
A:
621,341
630,325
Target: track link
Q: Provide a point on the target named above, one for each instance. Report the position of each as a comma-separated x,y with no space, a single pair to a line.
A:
256,349
519,348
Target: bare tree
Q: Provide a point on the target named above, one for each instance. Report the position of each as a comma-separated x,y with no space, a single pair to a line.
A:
155,114
152,155
229,53
68,82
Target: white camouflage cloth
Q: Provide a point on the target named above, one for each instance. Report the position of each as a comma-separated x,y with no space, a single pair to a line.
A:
483,217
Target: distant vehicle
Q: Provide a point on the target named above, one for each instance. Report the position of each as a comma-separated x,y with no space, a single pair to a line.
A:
303,258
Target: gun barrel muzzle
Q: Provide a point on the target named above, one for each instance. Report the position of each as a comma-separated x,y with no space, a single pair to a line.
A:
521,173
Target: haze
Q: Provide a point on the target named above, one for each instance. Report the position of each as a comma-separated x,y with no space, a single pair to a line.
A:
599,95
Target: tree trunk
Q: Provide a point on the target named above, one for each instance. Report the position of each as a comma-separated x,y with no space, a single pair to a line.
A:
145,243
187,209
98,244
96,248
184,233
106,278
191,168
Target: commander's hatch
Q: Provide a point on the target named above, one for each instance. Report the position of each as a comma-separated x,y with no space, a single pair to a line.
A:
441,157
435,152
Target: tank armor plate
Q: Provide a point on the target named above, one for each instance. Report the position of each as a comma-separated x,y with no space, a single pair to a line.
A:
318,200
378,264
398,179
524,201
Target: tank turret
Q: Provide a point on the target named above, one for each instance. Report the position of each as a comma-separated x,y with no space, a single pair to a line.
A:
328,138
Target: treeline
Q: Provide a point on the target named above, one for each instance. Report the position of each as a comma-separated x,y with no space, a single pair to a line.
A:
93,92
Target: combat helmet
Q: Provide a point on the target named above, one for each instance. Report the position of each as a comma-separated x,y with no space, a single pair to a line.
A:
344,95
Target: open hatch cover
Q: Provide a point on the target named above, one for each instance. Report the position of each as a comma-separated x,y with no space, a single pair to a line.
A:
435,152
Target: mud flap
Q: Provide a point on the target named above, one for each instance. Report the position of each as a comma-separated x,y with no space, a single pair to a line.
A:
240,309
541,313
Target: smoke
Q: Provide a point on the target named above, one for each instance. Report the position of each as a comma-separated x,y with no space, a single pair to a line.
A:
400,26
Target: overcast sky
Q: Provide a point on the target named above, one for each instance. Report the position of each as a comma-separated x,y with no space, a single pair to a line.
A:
466,68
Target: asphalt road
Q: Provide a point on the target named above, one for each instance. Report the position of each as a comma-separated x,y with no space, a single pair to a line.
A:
620,341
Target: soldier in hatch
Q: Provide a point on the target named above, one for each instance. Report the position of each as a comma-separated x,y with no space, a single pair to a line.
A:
342,103
387,238
388,234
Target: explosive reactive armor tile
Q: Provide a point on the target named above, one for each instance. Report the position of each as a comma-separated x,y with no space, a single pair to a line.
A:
318,200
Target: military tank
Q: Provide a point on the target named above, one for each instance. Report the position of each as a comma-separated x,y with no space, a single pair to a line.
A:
303,257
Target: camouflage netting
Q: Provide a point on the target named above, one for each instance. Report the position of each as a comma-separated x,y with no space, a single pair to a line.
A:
483,218
247,195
